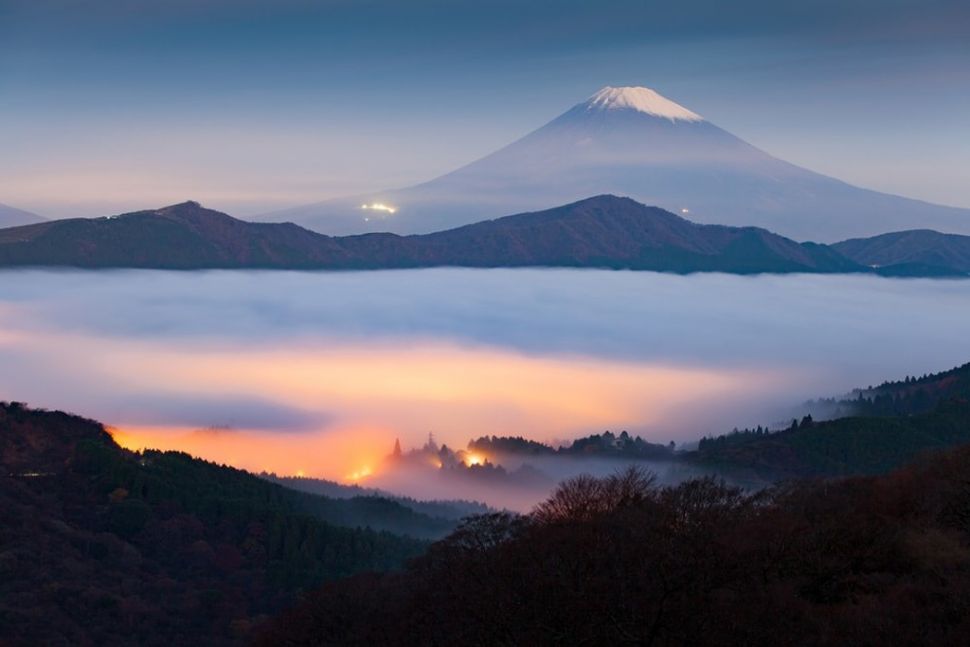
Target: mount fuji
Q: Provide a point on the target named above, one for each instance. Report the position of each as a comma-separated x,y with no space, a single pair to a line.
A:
632,141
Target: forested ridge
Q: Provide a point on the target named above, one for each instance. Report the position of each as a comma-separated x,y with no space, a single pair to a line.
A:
604,445
886,427
602,231
99,545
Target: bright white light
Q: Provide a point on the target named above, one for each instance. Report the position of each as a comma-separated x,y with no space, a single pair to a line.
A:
685,210
379,206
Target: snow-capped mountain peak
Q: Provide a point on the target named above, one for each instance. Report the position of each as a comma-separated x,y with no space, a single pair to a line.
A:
631,141
642,100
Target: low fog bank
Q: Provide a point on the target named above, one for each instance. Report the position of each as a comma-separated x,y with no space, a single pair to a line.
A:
526,481
547,354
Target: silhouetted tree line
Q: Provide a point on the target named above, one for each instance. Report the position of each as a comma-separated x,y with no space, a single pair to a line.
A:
492,445
862,561
911,395
746,435
606,444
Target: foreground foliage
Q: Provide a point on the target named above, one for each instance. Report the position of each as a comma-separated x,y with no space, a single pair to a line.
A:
868,560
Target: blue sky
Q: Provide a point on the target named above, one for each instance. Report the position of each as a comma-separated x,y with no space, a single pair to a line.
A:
249,106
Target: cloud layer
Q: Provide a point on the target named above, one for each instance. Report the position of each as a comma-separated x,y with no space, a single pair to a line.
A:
343,363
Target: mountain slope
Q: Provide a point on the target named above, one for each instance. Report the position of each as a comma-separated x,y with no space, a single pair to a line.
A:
103,546
889,425
180,236
607,231
632,141
604,231
11,216
919,249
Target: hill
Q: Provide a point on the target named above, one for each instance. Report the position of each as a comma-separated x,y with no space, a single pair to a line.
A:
182,236
633,141
603,231
99,545
608,231
881,428
919,251
870,431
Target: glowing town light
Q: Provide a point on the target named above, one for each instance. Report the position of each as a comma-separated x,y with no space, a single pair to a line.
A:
379,206
363,472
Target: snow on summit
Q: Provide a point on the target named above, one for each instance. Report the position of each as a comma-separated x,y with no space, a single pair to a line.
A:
642,100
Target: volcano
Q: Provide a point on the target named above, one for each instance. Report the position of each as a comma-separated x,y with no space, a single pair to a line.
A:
633,141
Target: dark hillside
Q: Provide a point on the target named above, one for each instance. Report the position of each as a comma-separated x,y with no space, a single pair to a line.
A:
101,546
881,428
604,232
923,249
864,561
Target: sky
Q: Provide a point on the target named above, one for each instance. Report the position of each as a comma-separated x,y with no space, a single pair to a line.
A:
114,105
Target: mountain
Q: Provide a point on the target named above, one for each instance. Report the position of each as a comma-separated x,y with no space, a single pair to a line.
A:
632,141
102,546
607,231
11,216
181,236
604,231
919,251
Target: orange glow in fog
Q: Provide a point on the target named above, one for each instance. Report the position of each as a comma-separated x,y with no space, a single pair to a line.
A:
351,400
318,454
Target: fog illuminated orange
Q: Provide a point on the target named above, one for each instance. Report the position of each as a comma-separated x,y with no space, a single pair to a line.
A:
324,454
366,395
